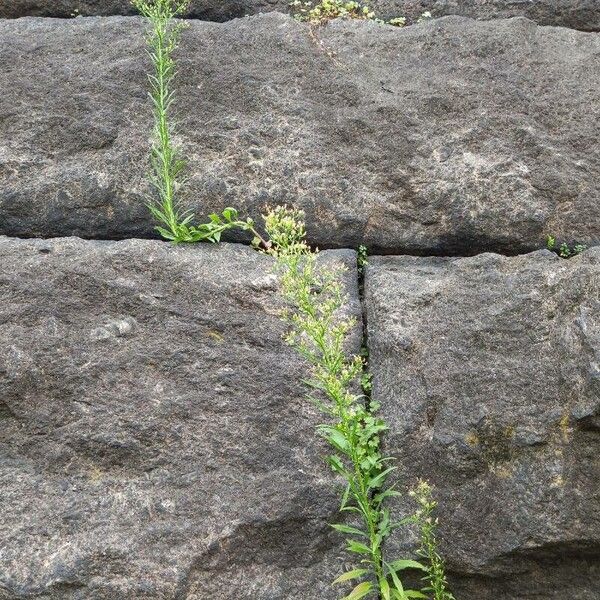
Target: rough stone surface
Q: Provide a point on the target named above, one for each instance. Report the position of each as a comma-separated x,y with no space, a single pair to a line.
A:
578,14
454,136
212,10
488,370
154,439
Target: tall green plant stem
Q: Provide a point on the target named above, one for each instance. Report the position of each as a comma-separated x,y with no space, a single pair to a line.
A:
167,164
319,333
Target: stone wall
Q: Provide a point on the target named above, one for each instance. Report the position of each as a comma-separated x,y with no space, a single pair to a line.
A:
454,136
577,14
149,448
155,442
487,370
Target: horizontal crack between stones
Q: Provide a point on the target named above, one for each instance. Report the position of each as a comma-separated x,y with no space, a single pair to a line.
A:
372,251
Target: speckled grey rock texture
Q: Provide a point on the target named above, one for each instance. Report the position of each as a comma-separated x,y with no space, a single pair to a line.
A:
154,437
450,137
488,372
578,14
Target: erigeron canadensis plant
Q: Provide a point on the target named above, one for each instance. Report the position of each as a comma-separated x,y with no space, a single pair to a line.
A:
326,10
424,517
167,163
319,333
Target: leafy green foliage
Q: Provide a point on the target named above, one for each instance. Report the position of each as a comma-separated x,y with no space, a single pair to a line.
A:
366,382
326,10
564,250
214,229
318,332
435,570
397,21
167,163
361,257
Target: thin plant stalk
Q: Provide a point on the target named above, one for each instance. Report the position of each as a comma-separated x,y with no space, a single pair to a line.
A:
167,163
435,576
319,333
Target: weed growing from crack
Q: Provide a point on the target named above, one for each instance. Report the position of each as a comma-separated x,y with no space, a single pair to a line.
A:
564,250
362,257
319,332
168,165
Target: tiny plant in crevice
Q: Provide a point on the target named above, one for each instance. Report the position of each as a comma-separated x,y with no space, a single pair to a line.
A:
321,12
318,331
427,523
366,379
326,10
361,258
564,250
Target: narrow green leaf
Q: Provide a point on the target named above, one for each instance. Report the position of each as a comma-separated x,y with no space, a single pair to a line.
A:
379,498
358,548
166,234
377,482
335,438
401,565
360,591
337,465
347,529
349,575
384,586
351,509
345,498
186,220
398,585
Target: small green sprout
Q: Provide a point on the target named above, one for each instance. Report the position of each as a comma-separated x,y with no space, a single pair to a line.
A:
361,256
564,250
397,21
